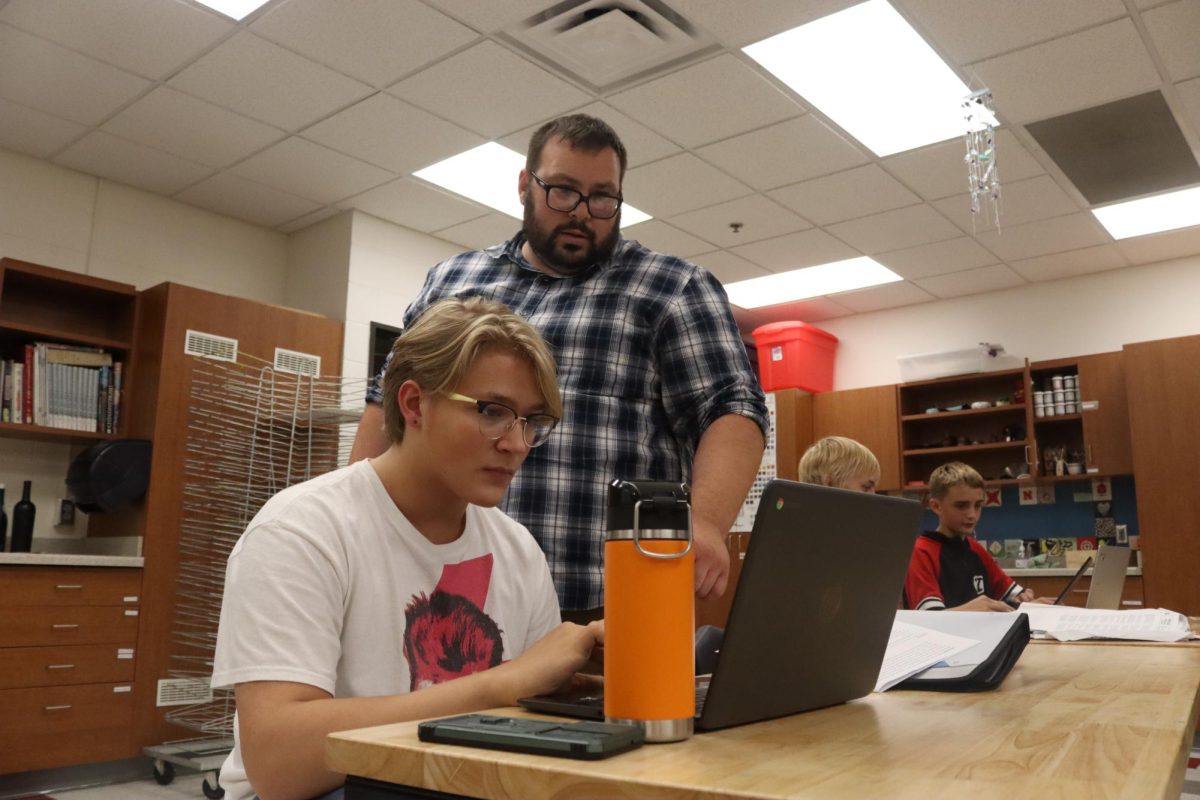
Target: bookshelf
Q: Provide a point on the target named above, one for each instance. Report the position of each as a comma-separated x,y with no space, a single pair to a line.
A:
61,310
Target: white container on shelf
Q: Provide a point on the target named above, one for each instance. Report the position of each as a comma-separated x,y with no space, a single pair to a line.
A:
927,366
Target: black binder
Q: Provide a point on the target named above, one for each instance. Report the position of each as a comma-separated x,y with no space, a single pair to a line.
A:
1002,638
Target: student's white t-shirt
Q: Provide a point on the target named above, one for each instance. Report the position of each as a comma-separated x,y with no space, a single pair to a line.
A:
331,586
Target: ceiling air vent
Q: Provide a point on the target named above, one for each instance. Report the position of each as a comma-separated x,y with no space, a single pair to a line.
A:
297,363
606,44
209,345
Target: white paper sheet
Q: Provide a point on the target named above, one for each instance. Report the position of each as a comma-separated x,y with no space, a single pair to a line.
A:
912,649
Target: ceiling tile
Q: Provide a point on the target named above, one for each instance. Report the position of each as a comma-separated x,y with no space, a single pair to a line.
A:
664,238
708,101
390,133
262,80
491,17
785,153
192,128
877,298
845,195
739,24
152,38
1175,31
489,90
893,230
237,197
27,130
376,41
1189,93
1161,246
796,250
41,75
678,184
1070,263
952,255
815,309
729,268
970,30
1056,235
759,217
417,205
939,170
642,145
972,281
136,165
320,215
482,232
1077,71
1020,202
308,170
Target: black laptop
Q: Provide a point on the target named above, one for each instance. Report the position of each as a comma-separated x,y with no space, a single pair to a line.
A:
812,612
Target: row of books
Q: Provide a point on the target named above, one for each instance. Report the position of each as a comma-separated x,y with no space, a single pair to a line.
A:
62,386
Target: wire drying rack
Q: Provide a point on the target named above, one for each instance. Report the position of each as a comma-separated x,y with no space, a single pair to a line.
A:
252,430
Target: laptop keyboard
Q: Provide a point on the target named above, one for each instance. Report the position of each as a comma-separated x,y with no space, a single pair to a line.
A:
597,700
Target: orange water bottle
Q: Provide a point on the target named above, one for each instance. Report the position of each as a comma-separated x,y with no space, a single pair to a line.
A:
649,609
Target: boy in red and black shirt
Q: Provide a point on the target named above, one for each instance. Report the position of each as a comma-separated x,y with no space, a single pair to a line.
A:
950,569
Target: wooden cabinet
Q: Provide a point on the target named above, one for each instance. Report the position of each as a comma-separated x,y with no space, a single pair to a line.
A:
1164,425
67,665
938,424
867,416
1107,446
43,304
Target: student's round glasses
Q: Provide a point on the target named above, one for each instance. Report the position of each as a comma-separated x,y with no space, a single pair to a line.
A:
497,419
566,199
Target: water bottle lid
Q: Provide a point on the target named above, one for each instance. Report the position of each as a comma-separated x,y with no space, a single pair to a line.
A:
660,505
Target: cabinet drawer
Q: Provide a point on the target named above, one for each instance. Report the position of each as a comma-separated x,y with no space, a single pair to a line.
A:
59,625
69,586
63,725
22,667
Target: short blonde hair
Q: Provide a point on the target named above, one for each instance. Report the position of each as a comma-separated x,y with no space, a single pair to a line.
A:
835,460
439,348
947,476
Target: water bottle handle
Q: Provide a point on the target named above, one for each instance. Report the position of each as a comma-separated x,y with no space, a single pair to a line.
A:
637,536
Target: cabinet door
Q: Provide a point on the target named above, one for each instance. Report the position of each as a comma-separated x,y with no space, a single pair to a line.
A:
1164,425
868,416
1106,429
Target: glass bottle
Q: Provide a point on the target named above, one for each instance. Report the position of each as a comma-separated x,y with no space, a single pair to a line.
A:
22,521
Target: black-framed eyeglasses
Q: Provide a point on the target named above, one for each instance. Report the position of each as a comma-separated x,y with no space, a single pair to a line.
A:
566,199
497,419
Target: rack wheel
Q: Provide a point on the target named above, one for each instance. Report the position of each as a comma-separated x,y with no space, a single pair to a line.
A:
164,772
213,791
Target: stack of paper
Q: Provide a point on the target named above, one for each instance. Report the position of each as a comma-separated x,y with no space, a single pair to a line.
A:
912,649
1069,624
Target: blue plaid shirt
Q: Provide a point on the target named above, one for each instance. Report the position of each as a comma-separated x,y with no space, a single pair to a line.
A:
648,357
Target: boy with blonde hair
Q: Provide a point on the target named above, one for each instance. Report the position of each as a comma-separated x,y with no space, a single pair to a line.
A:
840,462
950,569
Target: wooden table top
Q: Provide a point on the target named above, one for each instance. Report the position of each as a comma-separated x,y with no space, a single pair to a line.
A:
1068,722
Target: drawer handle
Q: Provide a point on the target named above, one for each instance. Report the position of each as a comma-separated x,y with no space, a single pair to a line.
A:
65,586
56,708
60,666
62,626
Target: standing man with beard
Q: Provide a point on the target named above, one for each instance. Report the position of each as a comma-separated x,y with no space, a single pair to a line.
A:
655,379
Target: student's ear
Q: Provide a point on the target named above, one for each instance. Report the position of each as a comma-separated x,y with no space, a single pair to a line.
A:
523,185
935,506
409,397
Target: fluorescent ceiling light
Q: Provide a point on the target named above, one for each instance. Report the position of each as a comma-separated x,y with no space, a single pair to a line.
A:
488,174
233,8
785,287
871,73
1162,212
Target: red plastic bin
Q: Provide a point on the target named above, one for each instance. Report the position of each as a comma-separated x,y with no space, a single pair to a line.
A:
795,355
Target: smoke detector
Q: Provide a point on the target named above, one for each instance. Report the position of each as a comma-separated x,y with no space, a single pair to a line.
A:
606,44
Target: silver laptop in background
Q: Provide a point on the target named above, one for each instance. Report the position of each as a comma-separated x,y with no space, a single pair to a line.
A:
1108,577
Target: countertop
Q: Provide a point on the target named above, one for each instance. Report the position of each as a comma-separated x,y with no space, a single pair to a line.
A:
1058,572
69,560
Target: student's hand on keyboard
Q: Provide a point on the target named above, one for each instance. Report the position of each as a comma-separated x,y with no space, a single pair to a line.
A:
983,603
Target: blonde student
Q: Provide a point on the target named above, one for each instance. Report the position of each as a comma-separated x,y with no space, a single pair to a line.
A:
840,462
393,589
950,569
